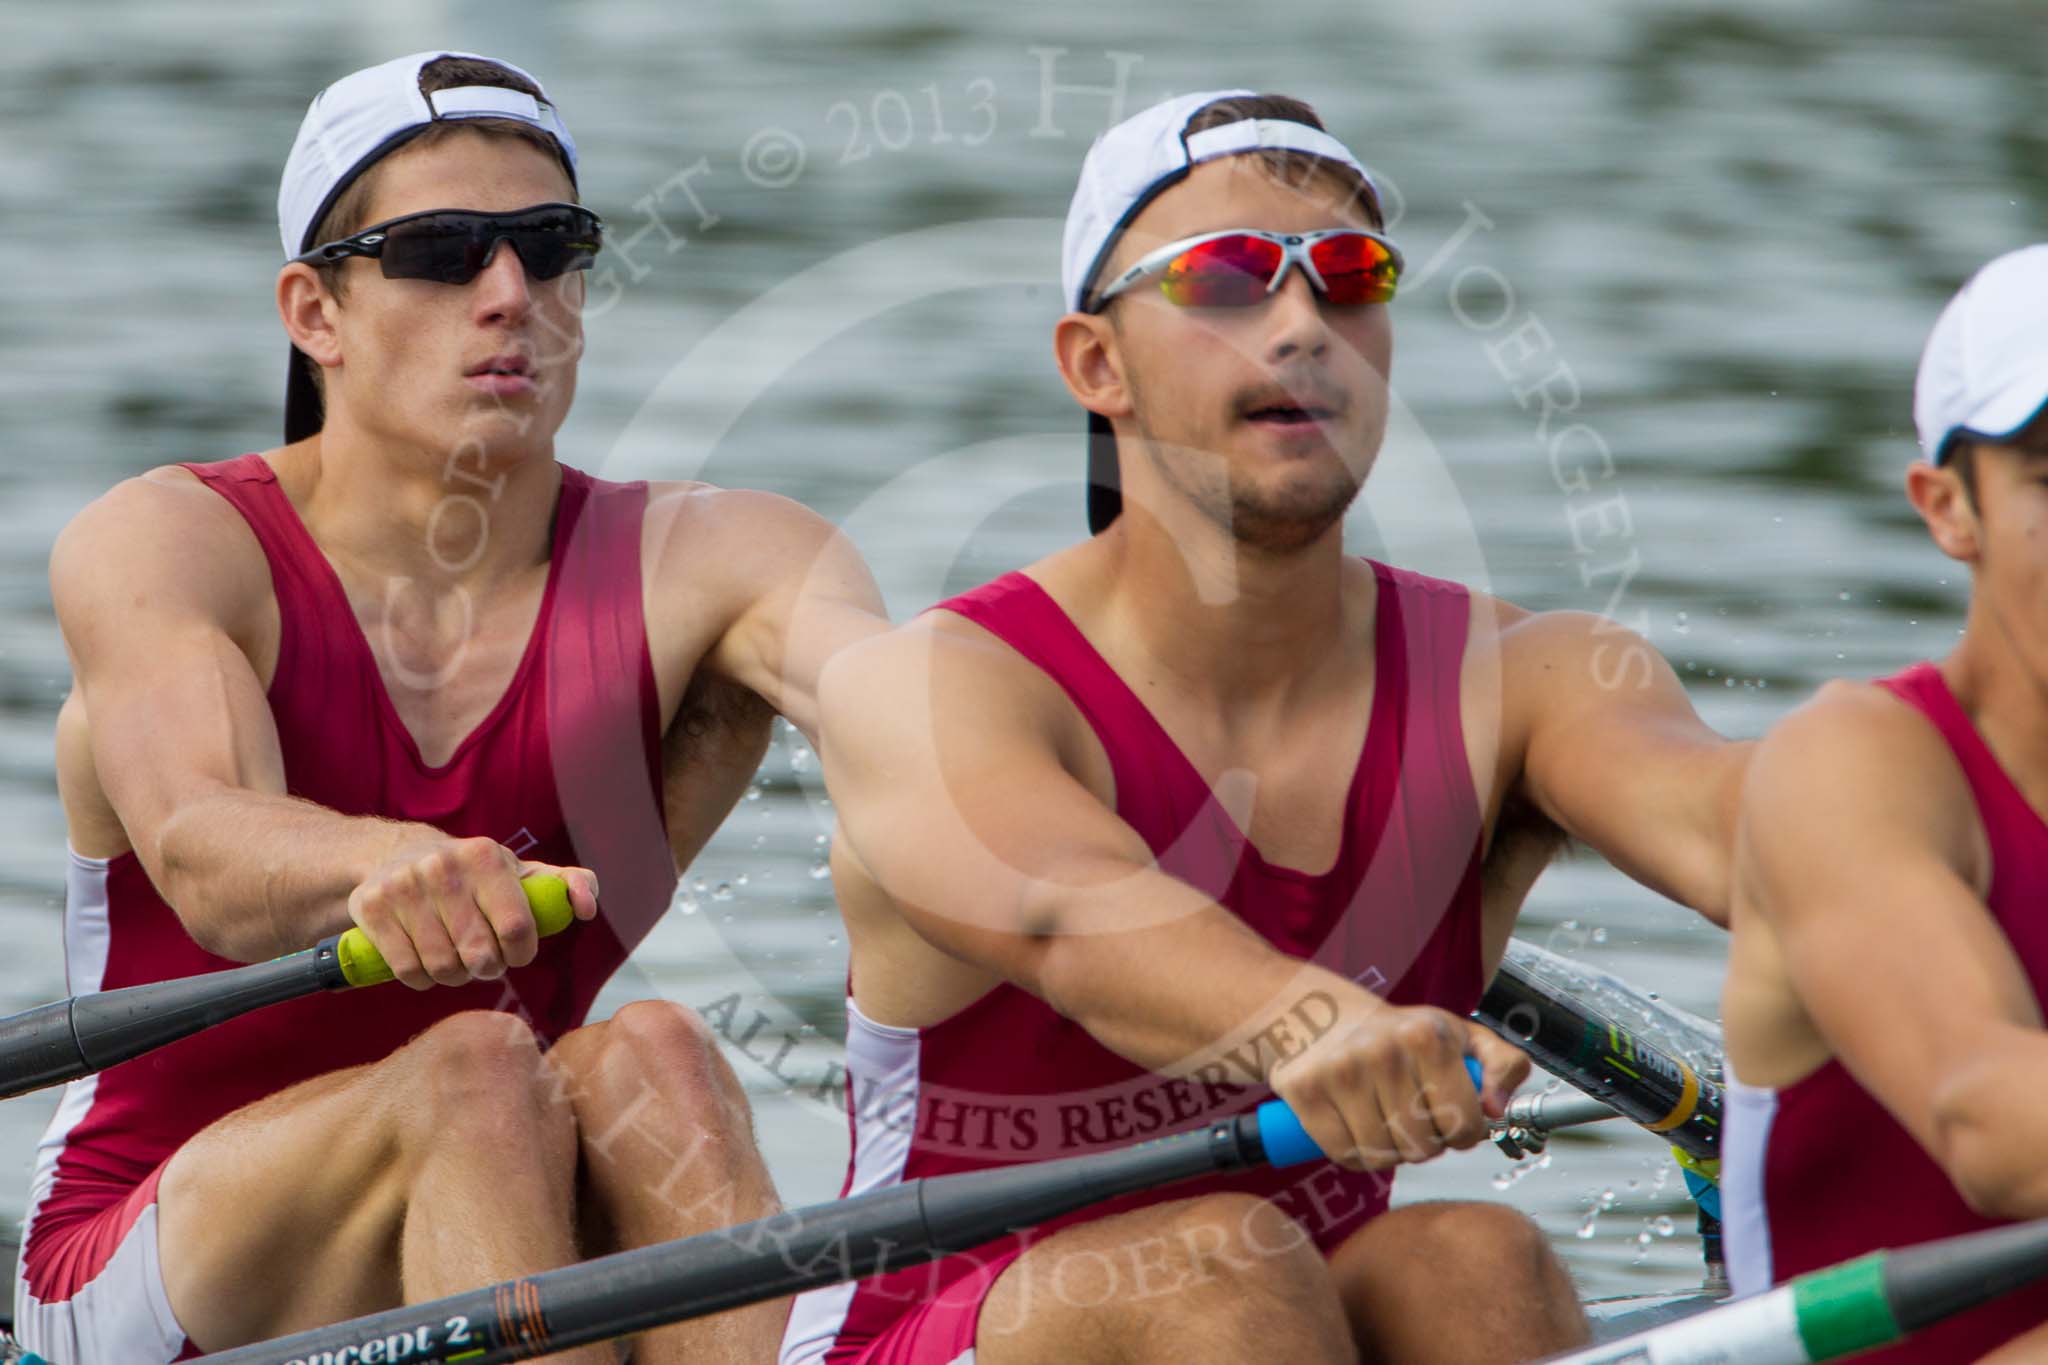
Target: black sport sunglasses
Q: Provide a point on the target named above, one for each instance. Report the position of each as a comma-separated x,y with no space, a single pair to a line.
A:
451,246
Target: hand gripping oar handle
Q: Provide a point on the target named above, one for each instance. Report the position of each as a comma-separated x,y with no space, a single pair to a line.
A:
356,961
72,1038
1286,1143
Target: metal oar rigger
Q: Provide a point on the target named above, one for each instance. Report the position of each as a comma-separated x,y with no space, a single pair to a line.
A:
71,1038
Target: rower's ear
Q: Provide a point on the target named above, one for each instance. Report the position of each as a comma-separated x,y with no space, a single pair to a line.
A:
307,310
1947,503
1085,346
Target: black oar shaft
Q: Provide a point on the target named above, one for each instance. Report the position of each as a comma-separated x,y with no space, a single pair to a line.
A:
1581,1043
765,1259
87,1033
1927,1283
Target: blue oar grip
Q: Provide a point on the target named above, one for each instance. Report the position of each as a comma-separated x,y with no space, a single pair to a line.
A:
1287,1143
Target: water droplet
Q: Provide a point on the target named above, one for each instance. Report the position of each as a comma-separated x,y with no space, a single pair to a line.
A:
800,760
753,791
1607,1198
819,841
1586,1226
759,839
820,870
688,904
1599,936
700,886
740,880
722,892
1664,1226
1502,1180
1680,627
832,939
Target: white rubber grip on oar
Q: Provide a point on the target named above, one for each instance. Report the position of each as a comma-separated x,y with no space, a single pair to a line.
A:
1759,1331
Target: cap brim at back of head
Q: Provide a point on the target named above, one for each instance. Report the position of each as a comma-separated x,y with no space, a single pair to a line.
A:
1105,485
304,412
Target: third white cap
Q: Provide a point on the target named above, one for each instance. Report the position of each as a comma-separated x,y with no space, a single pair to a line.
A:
1984,373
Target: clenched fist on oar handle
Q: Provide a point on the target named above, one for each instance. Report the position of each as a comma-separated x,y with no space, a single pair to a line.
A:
1384,1084
445,911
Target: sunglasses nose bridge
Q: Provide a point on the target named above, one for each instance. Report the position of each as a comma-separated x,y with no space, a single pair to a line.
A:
1293,255
487,260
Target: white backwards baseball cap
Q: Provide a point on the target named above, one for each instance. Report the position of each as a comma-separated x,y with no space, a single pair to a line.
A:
356,122
1128,167
1984,374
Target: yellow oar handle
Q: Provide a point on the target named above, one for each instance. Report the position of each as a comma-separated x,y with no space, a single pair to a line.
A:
362,965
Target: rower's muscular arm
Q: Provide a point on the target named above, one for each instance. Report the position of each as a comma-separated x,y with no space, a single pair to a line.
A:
1860,854
789,588
1615,754
944,756
160,591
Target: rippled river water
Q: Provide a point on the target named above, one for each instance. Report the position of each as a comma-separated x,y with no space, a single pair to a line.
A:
1715,234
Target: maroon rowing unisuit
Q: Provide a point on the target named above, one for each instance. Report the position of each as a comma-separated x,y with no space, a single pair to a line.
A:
1007,1079
566,769
1819,1171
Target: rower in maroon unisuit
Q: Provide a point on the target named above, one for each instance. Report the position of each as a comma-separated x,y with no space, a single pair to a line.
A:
375,675
1203,809
1890,959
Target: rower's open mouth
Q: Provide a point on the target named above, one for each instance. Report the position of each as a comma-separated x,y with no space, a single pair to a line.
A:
1287,413
515,365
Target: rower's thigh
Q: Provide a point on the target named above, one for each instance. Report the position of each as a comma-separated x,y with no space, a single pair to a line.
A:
286,1213
1496,1289
1224,1277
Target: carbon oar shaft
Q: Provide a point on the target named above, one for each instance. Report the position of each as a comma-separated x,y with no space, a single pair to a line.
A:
1835,1313
1575,1039
71,1038
771,1257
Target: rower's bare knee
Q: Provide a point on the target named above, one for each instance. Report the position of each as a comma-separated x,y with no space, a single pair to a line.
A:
481,1072
1502,1286
1470,1240
1223,1277
664,1126
653,1052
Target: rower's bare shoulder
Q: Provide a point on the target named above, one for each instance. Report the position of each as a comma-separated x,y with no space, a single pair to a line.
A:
1856,742
1859,778
1570,647
693,526
164,540
941,671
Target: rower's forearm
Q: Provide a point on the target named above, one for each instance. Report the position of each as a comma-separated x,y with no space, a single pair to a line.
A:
253,874
1194,990
1987,1118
